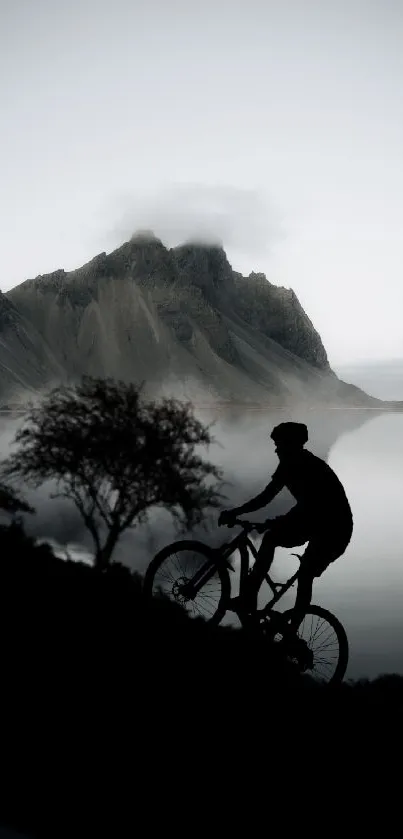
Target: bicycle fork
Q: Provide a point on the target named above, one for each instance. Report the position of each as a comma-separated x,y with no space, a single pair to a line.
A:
192,588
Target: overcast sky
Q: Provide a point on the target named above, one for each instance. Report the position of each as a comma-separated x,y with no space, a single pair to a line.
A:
275,125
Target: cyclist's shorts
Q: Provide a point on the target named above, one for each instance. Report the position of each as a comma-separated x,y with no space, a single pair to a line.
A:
326,541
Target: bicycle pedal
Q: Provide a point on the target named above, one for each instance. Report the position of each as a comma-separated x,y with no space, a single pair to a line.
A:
299,649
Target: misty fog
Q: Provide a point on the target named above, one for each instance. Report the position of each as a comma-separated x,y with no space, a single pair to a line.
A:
364,588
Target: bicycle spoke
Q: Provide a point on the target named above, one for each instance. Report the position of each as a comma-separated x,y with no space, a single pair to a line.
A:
322,641
184,569
319,653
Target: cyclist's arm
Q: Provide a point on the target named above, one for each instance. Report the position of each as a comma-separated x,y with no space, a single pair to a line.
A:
261,500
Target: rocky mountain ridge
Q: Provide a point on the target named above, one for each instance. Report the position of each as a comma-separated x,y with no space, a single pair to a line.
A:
179,319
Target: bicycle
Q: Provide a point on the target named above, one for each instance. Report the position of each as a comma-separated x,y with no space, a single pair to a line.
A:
206,567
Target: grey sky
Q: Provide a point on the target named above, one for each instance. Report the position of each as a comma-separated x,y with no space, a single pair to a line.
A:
277,126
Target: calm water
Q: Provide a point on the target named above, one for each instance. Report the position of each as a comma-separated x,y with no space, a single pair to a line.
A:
365,587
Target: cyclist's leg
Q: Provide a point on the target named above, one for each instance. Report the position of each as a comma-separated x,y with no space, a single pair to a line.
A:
303,598
259,570
322,550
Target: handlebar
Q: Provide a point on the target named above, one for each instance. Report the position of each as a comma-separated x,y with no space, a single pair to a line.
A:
259,526
248,525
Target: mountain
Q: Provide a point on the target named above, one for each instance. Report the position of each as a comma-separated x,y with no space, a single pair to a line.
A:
26,361
179,319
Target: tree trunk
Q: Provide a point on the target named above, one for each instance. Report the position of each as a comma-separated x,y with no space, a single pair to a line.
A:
104,554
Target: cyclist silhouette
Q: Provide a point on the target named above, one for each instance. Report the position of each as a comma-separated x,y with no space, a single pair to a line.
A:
322,517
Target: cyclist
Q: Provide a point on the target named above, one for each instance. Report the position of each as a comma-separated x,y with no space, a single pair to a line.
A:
322,517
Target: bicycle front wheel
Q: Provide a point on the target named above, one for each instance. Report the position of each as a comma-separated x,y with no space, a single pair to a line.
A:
188,573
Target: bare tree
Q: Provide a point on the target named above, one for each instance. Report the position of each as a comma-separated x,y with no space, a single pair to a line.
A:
116,455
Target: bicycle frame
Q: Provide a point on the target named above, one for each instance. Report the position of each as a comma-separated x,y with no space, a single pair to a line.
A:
272,623
244,545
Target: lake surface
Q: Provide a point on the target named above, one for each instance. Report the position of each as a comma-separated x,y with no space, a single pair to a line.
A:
365,587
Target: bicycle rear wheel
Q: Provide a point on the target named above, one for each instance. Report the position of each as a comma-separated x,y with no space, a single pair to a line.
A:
188,573
323,653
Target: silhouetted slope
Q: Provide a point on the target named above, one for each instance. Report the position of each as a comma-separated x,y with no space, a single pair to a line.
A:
114,715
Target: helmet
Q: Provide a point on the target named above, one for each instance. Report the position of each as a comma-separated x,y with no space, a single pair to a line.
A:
290,434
